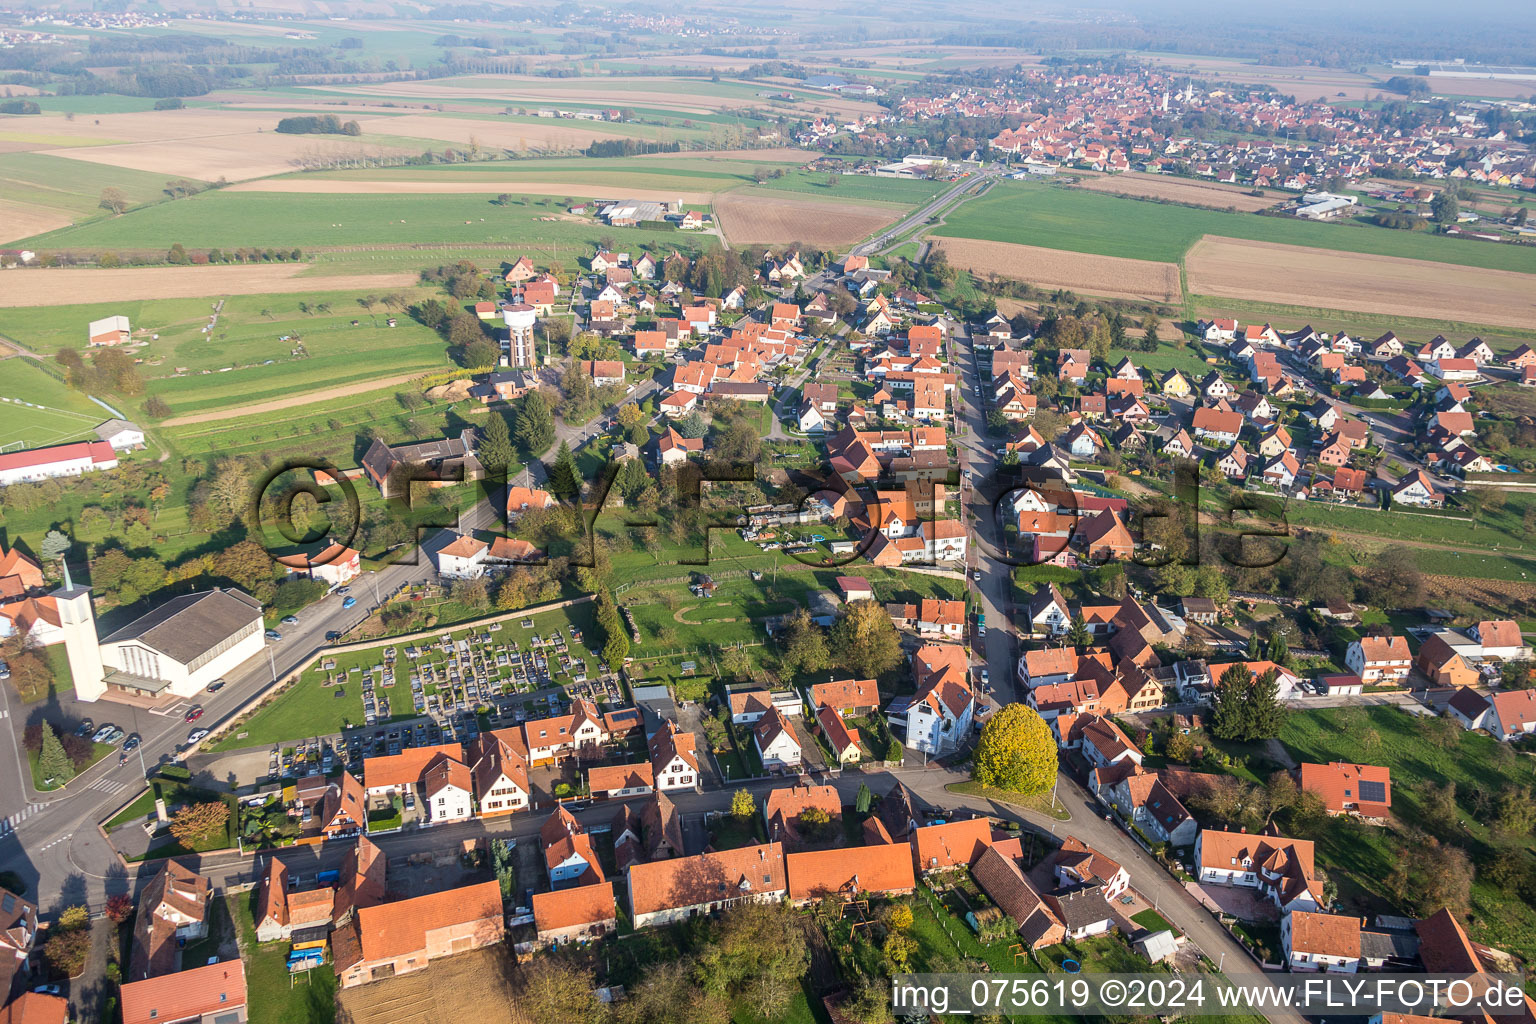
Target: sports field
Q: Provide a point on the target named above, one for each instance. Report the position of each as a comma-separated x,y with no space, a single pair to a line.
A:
37,409
1084,221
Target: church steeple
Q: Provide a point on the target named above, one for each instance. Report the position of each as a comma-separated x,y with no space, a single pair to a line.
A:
77,621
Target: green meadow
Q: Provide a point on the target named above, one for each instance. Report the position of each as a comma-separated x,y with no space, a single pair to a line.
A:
236,219
1082,221
73,186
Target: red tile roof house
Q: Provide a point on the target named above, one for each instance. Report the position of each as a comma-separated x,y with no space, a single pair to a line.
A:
845,871
1362,789
846,696
18,933
618,781
1379,660
406,935
173,907
1077,863
665,891
844,744
998,873
950,845
213,992
784,805
281,913
1321,942
1280,868
569,915
37,1008
776,743
1512,714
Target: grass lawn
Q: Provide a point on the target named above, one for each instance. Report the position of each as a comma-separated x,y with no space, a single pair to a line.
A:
1035,802
276,997
99,751
1359,857
1152,921
1095,222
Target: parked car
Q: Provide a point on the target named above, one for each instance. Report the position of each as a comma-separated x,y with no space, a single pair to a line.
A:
290,620
48,990
985,679
216,685
5,670
194,712
195,735
113,736
274,635
85,728
343,590
101,735
333,635
349,602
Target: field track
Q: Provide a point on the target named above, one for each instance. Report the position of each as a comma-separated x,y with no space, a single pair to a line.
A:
46,286
1108,276
1329,279
291,402
332,186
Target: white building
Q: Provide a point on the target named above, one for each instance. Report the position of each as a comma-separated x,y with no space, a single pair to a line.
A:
447,788
463,558
120,434
775,740
518,346
75,459
1321,942
110,330
182,646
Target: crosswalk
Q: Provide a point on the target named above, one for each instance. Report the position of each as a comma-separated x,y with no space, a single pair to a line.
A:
8,825
107,784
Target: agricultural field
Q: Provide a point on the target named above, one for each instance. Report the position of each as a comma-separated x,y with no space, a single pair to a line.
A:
1211,194
1083,221
234,220
1269,272
756,216
41,193
1109,276
36,287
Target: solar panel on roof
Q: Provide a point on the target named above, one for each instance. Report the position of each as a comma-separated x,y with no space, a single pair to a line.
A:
1373,792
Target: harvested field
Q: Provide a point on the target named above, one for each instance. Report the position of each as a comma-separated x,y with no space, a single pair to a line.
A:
348,186
1182,190
779,155
307,398
232,157
471,986
44,286
23,220
1109,276
1323,278
750,216
513,135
